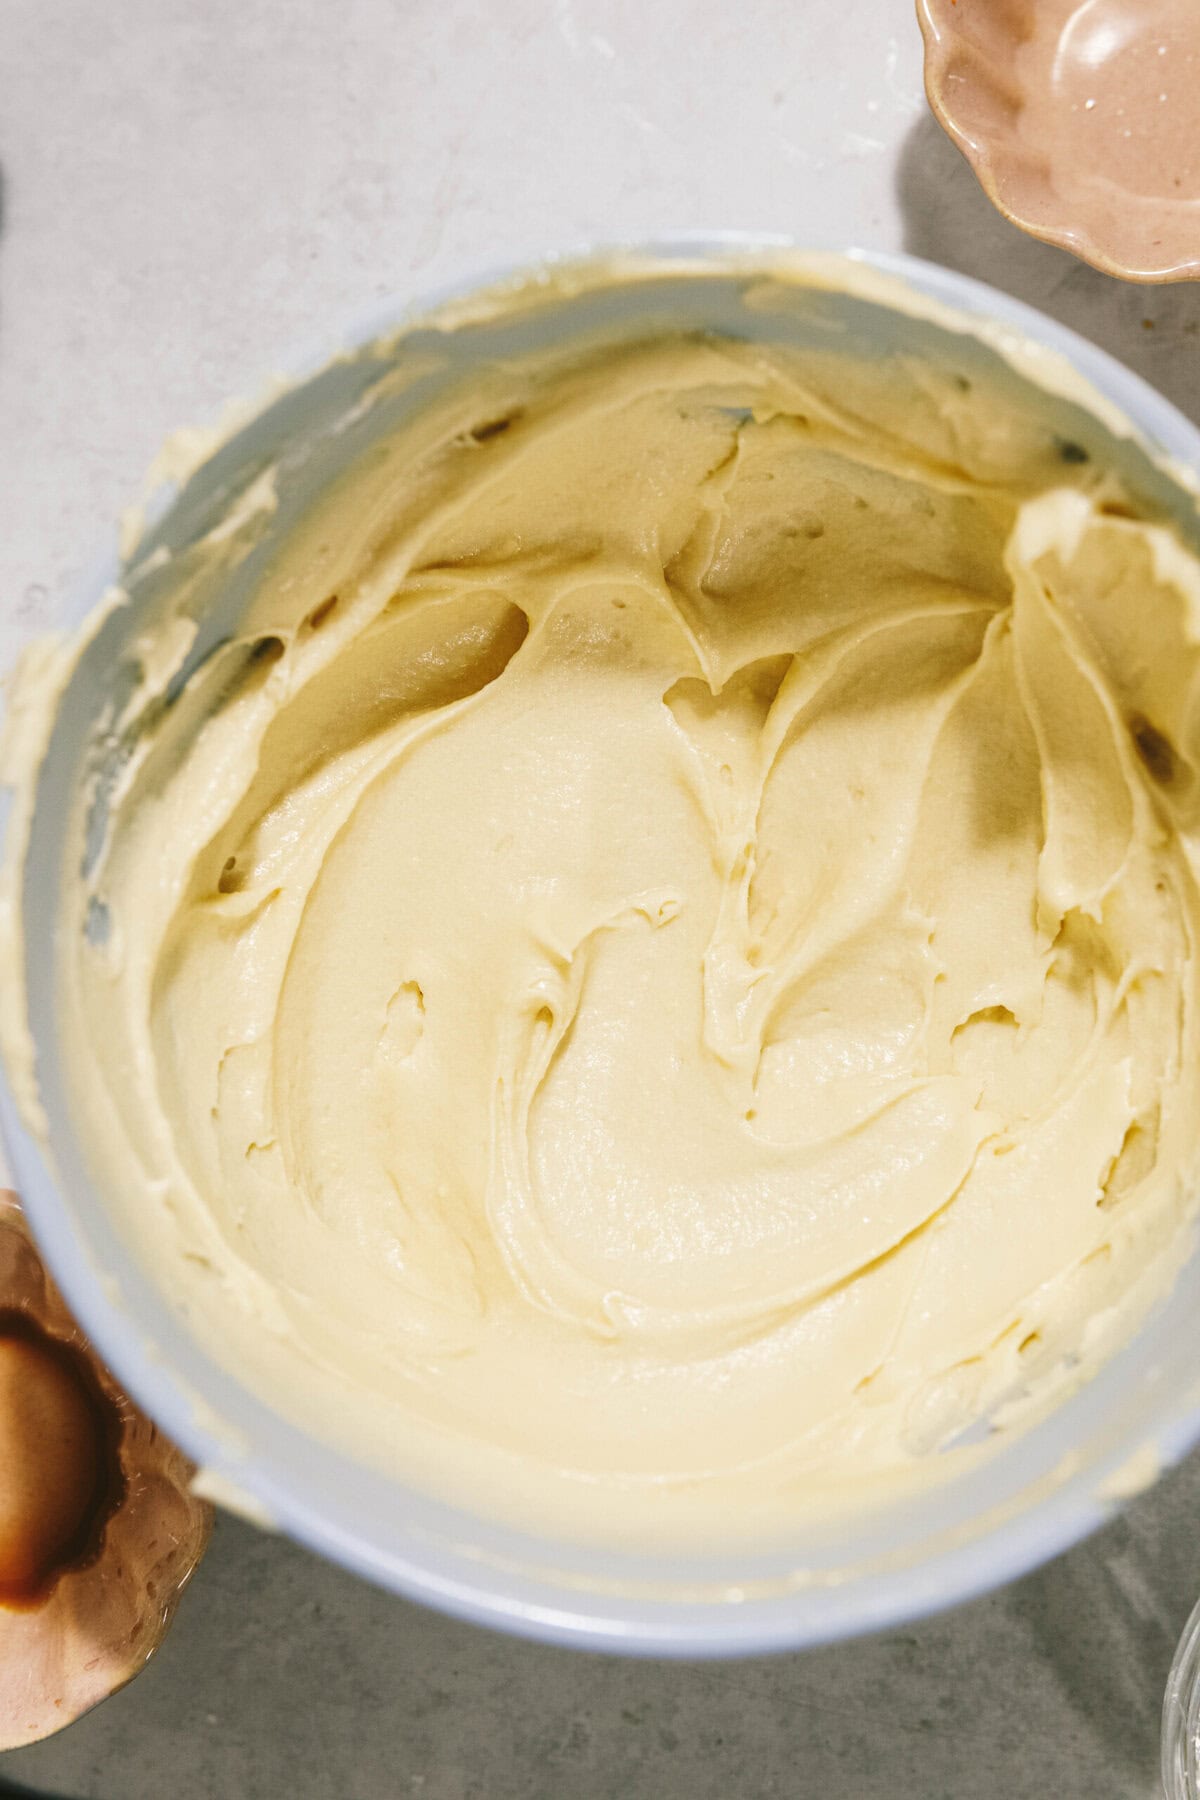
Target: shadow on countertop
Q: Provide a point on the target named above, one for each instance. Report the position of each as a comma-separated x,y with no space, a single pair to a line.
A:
8,1791
948,219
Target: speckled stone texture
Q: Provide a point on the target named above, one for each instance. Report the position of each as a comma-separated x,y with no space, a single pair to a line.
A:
192,187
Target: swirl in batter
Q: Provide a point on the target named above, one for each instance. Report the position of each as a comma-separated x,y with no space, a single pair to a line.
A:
655,982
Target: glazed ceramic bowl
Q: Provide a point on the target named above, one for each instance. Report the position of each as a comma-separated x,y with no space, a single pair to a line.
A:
1081,119
1039,1491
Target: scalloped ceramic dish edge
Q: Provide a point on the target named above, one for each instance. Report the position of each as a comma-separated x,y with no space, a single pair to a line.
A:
973,91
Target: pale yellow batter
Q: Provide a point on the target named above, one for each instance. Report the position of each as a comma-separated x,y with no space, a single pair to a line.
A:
662,987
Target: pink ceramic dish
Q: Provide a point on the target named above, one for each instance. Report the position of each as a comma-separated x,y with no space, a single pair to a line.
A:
1081,119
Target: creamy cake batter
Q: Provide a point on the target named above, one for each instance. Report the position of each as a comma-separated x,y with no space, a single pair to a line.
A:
654,984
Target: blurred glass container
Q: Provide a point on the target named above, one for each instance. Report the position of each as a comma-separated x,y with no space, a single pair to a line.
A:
1181,1717
1081,119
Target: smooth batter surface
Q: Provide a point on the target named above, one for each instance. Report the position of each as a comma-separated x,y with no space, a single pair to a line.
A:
661,988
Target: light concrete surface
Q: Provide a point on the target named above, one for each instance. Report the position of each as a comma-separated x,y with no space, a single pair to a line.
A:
192,187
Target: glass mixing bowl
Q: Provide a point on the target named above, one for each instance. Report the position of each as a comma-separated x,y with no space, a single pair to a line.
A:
1181,1717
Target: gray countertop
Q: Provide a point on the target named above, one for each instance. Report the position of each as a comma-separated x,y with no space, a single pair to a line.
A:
284,1677
190,189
